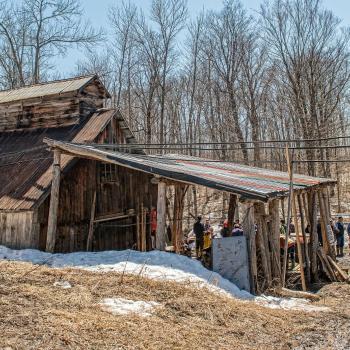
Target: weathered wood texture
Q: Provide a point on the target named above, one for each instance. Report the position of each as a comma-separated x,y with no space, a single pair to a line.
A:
19,230
161,216
53,110
54,200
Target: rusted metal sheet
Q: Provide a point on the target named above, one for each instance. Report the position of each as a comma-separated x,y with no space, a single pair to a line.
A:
250,182
25,163
44,89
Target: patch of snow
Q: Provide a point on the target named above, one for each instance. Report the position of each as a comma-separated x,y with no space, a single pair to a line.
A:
288,304
120,306
155,265
62,284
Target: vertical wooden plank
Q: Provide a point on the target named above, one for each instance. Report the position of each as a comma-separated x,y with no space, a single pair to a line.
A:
161,216
261,243
300,254
177,234
289,210
250,232
305,246
275,239
231,211
91,225
55,187
324,222
312,204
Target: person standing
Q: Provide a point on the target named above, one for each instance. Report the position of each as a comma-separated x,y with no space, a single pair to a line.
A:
340,236
198,229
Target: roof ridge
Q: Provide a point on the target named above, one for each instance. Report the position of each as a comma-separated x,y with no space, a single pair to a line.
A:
50,82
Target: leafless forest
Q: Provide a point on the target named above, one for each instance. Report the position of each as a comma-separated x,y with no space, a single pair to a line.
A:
211,83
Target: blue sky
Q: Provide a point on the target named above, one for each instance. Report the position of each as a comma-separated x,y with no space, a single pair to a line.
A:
96,12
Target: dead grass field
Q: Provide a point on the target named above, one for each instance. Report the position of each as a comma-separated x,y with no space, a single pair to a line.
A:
34,314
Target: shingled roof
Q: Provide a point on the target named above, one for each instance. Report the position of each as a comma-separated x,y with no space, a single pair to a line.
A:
25,162
46,89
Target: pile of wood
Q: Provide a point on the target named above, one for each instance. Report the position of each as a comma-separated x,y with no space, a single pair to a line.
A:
268,268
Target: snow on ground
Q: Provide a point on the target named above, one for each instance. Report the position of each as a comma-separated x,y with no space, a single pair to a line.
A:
155,265
120,306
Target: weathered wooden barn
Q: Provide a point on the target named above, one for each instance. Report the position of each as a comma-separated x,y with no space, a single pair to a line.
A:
67,110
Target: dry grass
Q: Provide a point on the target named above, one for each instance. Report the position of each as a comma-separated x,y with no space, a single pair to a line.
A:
36,315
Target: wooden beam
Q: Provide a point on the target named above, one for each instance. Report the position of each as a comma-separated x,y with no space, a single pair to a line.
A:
261,239
250,233
91,225
312,204
305,246
300,253
177,234
275,239
55,188
232,206
289,210
161,216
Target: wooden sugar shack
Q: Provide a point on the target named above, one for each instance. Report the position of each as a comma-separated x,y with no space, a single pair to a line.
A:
68,110
84,192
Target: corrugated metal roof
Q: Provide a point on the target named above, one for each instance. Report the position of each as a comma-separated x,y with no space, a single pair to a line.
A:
250,182
44,89
25,164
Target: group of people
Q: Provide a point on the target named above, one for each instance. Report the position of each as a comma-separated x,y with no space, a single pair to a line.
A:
199,230
335,233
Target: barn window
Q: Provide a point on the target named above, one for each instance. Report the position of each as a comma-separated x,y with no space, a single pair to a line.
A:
108,173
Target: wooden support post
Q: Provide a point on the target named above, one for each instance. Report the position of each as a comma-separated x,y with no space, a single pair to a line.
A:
161,216
231,211
312,204
289,210
138,233
261,238
91,225
324,222
54,200
249,232
177,234
300,253
275,239
305,246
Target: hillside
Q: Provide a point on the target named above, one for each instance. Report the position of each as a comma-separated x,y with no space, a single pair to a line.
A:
43,308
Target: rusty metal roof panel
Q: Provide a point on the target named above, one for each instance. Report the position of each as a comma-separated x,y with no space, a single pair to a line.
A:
250,182
25,162
44,89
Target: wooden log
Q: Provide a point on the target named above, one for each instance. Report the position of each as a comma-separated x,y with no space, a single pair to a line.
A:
312,204
326,265
177,234
232,206
324,222
306,245
289,211
341,273
298,294
300,254
138,233
143,228
161,216
250,233
54,200
275,240
91,225
262,243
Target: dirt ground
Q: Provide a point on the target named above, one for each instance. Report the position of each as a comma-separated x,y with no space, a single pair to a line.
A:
35,314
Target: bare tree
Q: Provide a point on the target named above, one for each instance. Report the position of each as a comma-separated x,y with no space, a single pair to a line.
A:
170,16
36,31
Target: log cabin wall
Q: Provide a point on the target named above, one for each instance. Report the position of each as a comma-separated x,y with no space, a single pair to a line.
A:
19,230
